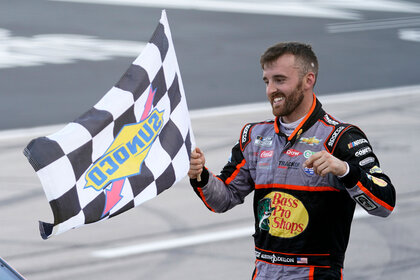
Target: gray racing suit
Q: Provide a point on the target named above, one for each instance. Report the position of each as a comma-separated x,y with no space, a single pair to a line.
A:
302,220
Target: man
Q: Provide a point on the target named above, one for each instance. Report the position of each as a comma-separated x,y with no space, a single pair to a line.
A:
308,171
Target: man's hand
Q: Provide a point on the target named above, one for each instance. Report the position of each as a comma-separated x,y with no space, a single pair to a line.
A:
196,163
324,163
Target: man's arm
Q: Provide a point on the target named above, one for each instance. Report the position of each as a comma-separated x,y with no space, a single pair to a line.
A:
222,192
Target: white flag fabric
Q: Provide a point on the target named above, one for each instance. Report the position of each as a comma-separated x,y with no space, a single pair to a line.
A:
132,145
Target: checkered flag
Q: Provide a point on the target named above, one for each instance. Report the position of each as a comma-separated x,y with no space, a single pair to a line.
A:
131,146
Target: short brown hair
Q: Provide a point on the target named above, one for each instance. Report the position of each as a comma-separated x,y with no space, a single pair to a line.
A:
305,57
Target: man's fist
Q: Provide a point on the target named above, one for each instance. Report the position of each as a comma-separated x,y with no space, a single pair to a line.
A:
324,163
196,163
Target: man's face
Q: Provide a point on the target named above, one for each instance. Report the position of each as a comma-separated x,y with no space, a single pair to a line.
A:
284,87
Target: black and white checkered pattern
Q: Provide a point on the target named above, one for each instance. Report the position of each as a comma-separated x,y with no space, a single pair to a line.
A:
62,159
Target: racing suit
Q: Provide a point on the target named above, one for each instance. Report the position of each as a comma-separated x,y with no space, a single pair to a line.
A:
302,220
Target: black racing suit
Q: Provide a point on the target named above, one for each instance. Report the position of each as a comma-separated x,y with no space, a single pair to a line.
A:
302,220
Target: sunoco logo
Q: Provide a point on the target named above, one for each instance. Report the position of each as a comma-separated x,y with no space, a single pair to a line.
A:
126,154
282,215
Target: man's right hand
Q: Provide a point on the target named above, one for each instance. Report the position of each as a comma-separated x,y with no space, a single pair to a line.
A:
197,162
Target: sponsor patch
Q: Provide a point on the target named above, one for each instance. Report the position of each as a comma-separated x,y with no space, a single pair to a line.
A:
363,152
357,143
308,153
380,182
334,136
329,120
293,153
274,258
311,141
377,181
245,136
263,141
365,202
366,161
266,154
288,164
375,169
309,171
264,165
282,215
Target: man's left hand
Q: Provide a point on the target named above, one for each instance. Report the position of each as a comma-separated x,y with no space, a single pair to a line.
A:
324,163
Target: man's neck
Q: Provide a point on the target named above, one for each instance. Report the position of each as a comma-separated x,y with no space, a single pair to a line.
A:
288,128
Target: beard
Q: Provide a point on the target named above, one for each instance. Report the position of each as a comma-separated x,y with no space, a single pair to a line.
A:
292,101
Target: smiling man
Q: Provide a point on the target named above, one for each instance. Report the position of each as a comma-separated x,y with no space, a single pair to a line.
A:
308,171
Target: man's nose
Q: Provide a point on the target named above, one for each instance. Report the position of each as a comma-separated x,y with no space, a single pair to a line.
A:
271,88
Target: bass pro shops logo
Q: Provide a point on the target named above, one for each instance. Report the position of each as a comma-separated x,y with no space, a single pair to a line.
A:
282,215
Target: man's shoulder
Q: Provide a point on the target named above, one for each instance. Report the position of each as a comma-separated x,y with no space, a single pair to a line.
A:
247,129
340,131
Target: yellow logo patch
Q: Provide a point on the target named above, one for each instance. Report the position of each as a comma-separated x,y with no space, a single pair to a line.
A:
126,154
288,217
380,182
310,141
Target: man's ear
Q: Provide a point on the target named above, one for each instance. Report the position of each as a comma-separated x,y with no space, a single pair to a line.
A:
309,80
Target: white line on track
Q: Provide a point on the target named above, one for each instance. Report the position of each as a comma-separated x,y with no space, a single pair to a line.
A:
325,99
373,24
189,240
174,243
13,134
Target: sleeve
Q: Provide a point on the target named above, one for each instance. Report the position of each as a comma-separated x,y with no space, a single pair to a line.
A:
228,189
366,183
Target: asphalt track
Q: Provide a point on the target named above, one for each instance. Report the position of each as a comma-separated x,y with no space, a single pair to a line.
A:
174,236
58,58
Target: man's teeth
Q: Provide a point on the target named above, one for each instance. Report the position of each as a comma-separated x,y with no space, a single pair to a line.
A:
278,99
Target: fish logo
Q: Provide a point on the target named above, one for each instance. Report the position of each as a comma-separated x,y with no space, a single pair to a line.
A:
125,155
264,212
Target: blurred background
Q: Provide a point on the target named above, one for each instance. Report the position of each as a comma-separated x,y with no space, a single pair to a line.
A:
58,58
